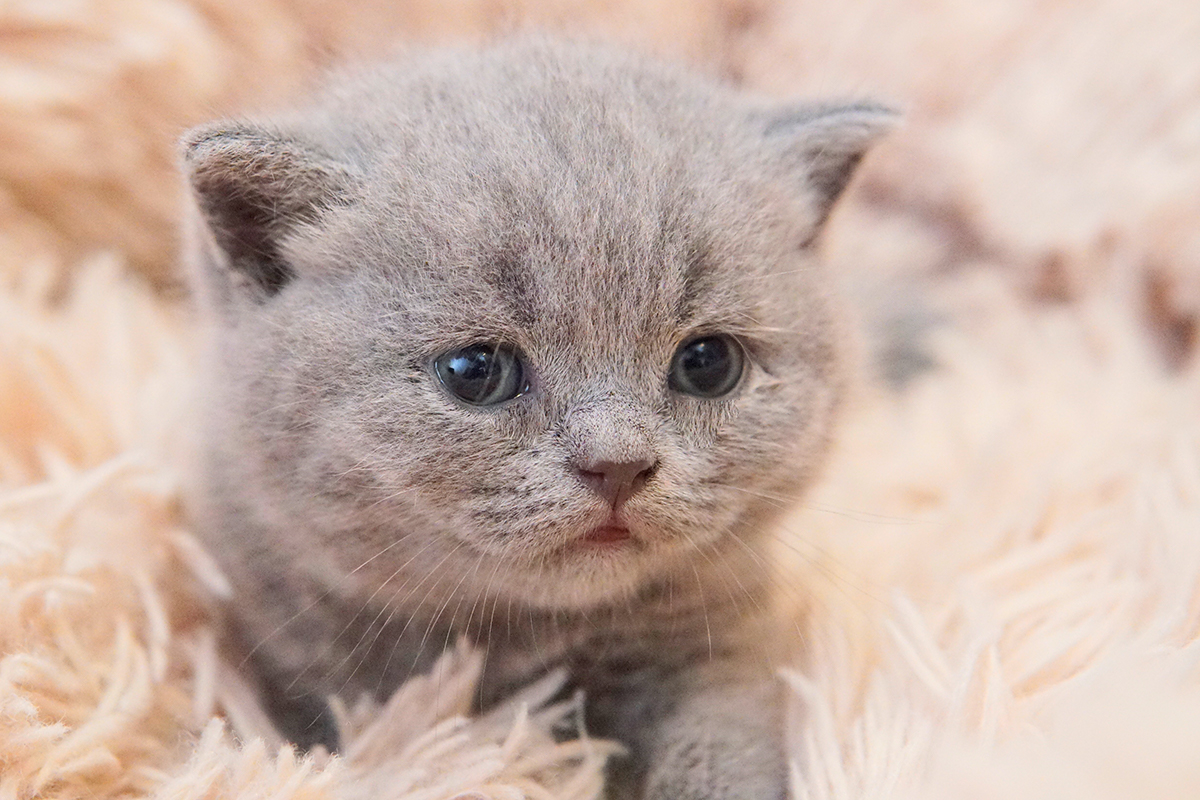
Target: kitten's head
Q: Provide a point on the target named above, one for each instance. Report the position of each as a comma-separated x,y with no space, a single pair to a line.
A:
545,319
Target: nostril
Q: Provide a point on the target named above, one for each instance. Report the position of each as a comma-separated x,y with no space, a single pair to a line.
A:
594,480
615,481
644,475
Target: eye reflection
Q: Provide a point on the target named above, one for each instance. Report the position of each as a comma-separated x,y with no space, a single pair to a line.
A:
707,366
482,374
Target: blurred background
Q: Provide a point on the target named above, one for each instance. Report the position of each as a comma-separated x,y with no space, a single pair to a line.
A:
1056,141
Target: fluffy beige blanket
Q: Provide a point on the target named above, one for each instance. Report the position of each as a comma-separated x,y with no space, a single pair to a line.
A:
1001,569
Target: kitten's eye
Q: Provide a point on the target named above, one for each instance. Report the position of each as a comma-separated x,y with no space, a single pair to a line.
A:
708,366
481,374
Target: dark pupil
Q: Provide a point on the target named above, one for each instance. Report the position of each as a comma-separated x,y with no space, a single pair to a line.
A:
707,367
481,374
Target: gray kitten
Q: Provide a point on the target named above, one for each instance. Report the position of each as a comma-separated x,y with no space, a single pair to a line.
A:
525,346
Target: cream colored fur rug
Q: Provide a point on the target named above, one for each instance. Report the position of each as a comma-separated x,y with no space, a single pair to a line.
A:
1001,568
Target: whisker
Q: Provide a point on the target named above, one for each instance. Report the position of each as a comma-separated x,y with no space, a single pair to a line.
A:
391,615
487,644
409,620
449,625
784,501
704,605
324,596
346,628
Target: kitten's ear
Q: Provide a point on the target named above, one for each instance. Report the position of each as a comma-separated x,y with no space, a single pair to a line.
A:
252,186
825,143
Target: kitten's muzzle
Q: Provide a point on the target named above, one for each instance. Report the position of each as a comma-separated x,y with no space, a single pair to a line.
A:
616,481
606,535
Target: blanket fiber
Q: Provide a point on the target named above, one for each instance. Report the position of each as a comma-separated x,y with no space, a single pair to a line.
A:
1000,571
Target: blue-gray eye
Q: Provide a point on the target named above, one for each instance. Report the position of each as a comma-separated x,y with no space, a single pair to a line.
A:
481,374
707,366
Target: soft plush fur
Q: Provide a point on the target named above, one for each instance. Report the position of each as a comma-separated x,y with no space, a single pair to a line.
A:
1002,562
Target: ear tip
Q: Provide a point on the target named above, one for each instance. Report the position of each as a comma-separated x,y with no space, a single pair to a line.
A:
870,119
880,113
879,117
872,107
861,120
203,140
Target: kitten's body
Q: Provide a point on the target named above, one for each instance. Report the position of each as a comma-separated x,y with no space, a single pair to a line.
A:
591,212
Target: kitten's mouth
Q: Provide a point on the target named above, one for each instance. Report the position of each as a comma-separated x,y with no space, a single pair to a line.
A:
608,535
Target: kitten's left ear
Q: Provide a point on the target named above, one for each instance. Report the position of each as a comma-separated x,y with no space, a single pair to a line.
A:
254,185
825,144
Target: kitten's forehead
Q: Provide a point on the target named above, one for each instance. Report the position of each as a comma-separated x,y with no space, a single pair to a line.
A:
552,209
554,244
560,186
615,264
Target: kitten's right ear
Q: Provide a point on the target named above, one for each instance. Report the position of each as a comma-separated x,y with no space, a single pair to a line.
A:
252,186
823,144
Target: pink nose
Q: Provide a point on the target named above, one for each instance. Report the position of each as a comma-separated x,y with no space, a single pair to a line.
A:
616,481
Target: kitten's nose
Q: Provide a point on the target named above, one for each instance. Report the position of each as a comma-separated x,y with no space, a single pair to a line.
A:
616,481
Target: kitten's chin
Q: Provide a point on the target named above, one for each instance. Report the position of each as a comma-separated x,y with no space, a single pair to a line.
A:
600,567
578,587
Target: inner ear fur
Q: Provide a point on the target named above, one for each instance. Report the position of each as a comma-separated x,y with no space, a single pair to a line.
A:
252,186
825,143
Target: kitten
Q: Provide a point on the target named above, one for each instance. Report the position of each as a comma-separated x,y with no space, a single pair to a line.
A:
525,346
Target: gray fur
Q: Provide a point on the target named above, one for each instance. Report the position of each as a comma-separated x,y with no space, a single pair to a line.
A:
594,211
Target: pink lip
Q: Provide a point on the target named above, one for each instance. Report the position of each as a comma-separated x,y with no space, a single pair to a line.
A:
606,535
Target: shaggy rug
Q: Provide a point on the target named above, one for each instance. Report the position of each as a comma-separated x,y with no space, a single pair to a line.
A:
999,573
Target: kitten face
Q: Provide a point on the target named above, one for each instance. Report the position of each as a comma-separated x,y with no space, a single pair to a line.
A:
587,214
